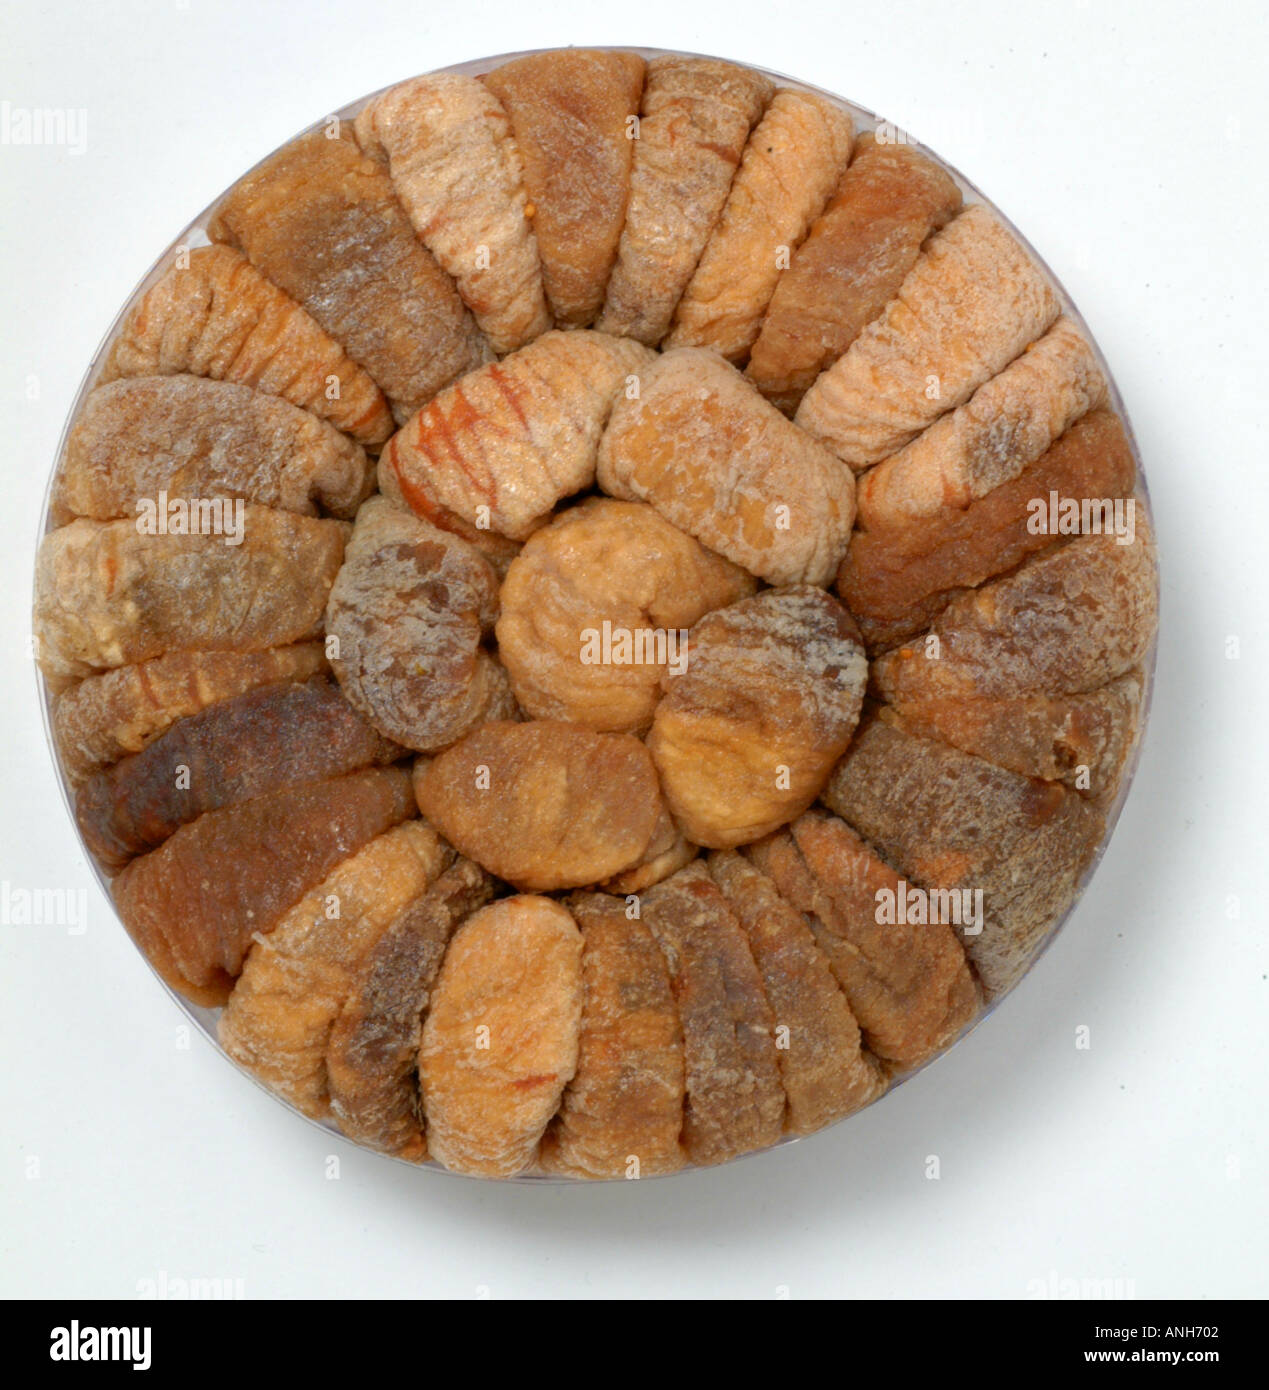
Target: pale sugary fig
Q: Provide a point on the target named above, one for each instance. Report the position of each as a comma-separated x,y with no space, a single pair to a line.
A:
459,175
971,303
214,315
1004,426
500,1040
596,609
702,446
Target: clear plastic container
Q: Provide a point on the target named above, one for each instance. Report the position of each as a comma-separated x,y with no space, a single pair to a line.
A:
195,234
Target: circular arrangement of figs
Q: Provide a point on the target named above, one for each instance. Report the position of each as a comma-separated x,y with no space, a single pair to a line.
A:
601,621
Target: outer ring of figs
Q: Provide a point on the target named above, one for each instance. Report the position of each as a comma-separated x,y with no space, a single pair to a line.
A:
194,234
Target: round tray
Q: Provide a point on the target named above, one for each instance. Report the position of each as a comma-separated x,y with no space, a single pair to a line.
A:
194,234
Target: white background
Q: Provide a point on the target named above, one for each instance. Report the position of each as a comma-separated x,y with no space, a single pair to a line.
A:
1128,141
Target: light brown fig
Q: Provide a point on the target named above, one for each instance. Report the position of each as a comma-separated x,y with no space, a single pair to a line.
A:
825,1071
1012,849
573,111
693,124
789,169
1066,622
214,315
735,1102
544,804
373,1053
321,220
897,580
971,303
746,737
191,437
595,610
107,595
1082,740
1004,426
702,446
850,266
459,175
500,1039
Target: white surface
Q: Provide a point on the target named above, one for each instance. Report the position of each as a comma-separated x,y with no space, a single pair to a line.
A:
1127,140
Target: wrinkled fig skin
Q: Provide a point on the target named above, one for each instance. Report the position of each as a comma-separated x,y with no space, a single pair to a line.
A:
459,175
544,804
107,595
746,737
408,613
908,985
949,820
322,221
622,1113
735,1102
850,266
500,1039
190,437
695,119
712,456
105,717
214,315
824,1068
195,904
260,742
499,449
896,581
619,563
296,981
372,1059
570,113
